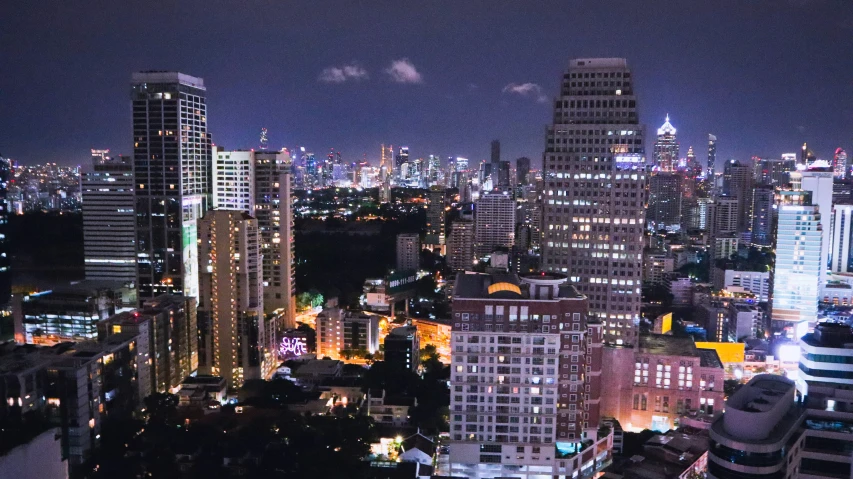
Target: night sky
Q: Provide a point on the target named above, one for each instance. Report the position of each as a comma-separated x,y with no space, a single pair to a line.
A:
443,77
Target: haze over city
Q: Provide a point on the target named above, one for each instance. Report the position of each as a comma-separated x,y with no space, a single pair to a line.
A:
763,76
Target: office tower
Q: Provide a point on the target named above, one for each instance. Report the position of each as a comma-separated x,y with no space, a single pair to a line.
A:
435,215
402,348
712,157
108,219
763,200
433,170
231,309
401,159
541,397
5,254
172,179
840,165
665,200
461,164
594,209
817,179
386,157
504,173
522,171
825,377
408,252
692,167
796,277
773,171
842,239
460,246
494,222
274,212
737,183
722,223
666,147
496,152
233,180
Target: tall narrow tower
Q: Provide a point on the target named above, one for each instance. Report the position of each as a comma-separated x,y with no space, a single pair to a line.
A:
712,157
593,168
172,180
666,147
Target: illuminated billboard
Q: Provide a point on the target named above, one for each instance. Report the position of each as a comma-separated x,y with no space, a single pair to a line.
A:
401,281
292,347
728,352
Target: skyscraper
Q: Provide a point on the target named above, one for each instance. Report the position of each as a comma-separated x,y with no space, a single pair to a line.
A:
665,200
435,215
401,159
460,246
260,184
817,179
737,183
496,152
522,171
172,180
494,217
842,239
796,277
503,179
108,219
231,310
666,147
712,157
408,251
763,199
5,254
594,211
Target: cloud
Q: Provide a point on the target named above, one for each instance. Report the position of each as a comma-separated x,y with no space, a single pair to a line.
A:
527,89
343,73
403,71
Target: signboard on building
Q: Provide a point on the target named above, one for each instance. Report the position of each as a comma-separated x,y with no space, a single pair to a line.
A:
401,281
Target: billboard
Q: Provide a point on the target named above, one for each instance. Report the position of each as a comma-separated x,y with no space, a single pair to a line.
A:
400,281
728,352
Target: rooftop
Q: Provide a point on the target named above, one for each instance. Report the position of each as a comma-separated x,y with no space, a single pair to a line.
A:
664,344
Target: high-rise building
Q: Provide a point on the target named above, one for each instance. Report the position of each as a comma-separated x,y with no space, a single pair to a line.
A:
172,179
233,179
594,207
712,157
840,164
817,179
408,251
260,184
522,171
231,310
773,171
666,147
435,215
401,159
274,212
109,220
737,183
763,215
460,246
176,339
665,200
841,248
796,277
5,254
532,417
494,222
496,152
330,333
503,180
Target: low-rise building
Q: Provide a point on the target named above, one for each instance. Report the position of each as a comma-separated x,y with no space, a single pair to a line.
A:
402,348
756,282
674,455
651,386
389,410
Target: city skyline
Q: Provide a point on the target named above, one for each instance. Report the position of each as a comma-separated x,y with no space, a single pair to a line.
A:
325,91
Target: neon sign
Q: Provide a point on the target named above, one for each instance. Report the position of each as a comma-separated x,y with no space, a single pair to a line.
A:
291,347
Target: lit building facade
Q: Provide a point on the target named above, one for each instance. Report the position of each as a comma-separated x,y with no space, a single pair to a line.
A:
763,216
460,246
494,222
665,200
525,375
109,220
796,277
666,147
594,202
231,311
842,239
172,179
